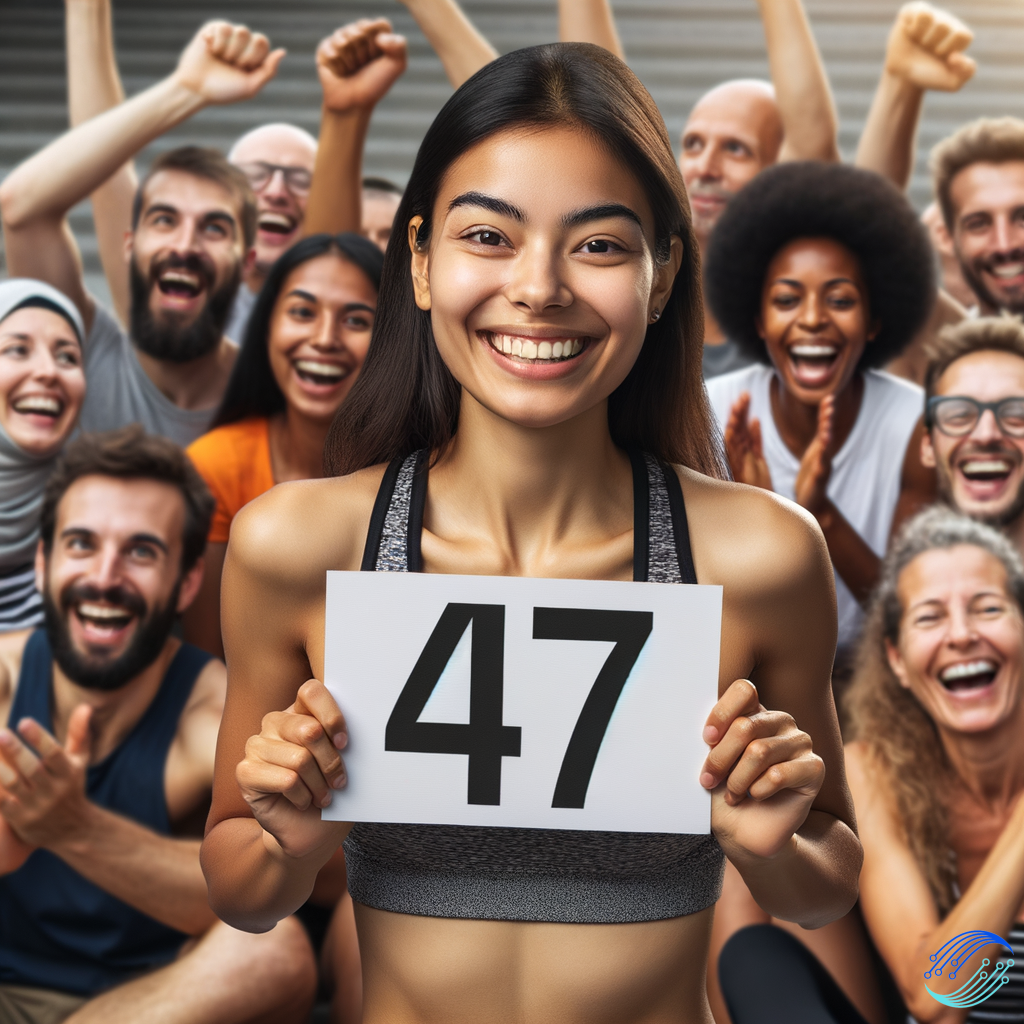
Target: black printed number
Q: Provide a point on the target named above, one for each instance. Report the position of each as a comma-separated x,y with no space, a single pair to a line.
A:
484,738
630,631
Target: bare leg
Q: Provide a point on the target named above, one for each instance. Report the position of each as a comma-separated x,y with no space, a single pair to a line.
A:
341,965
227,977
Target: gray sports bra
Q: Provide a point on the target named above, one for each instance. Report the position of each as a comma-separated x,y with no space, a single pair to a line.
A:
514,874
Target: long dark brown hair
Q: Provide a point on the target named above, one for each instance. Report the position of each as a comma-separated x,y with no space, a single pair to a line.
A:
406,398
904,747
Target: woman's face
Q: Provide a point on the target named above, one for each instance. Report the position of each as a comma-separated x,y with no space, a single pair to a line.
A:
815,318
960,649
319,334
540,273
42,383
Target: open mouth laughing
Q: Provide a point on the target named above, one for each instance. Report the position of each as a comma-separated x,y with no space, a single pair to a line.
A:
278,225
48,406
533,350
102,624
967,676
813,363
180,284
321,373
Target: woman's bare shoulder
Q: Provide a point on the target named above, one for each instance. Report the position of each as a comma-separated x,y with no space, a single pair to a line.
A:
751,539
303,528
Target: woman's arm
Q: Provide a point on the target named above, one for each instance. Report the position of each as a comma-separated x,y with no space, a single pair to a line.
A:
94,86
278,752
897,903
808,112
463,51
589,21
780,805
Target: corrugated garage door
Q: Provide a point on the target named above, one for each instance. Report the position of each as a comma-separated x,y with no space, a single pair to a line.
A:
678,49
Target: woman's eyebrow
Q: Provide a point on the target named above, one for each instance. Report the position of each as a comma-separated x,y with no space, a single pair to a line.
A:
303,295
492,203
602,212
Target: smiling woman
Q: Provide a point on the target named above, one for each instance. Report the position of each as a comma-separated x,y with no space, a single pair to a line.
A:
824,273
305,343
535,367
42,386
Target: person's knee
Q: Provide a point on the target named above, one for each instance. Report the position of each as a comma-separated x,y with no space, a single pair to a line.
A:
287,956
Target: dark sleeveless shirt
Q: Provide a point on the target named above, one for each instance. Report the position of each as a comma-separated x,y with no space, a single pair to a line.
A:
57,929
516,874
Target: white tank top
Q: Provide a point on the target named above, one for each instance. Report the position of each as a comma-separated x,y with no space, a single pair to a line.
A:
866,471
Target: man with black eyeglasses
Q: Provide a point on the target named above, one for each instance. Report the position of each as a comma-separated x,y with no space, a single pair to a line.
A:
278,160
974,415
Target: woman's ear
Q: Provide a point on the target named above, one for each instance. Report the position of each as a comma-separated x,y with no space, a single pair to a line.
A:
876,326
665,278
896,663
420,265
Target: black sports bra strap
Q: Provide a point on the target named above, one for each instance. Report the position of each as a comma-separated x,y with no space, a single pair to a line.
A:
641,517
679,524
417,503
379,514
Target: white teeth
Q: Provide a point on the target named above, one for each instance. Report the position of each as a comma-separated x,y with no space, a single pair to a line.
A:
528,349
1009,270
277,220
966,670
994,467
175,275
99,611
39,403
319,369
814,351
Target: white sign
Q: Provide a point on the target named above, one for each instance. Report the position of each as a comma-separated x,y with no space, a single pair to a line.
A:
532,703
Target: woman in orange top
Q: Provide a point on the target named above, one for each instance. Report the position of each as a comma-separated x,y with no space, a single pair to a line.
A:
303,349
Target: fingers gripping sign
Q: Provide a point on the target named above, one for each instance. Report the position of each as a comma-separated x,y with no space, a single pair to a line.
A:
43,797
291,768
762,772
225,63
926,48
359,63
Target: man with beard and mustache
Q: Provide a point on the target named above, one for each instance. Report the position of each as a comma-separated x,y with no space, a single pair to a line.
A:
106,766
192,227
974,416
978,174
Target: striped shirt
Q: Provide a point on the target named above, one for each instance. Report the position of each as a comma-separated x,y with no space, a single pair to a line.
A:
21,605
1006,1005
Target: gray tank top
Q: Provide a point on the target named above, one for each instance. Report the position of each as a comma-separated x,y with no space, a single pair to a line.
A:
515,874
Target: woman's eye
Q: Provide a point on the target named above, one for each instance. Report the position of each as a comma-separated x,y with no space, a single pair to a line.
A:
491,238
842,302
16,351
785,301
67,359
302,313
600,245
359,323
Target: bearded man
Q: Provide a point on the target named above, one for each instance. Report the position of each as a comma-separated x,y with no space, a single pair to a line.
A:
192,230
974,419
106,767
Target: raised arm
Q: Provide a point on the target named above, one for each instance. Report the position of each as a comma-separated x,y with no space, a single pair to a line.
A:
357,65
224,63
802,91
94,86
589,21
463,51
925,51
898,905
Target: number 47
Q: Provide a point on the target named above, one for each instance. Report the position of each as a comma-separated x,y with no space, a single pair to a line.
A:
484,738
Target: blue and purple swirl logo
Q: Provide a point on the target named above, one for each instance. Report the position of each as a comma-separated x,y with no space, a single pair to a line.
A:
983,982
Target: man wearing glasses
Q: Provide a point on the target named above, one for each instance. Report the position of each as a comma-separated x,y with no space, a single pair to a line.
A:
278,161
974,415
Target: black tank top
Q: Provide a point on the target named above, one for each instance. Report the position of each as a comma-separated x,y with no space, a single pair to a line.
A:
57,929
514,874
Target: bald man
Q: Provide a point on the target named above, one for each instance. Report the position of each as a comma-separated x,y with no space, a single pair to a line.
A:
278,160
740,127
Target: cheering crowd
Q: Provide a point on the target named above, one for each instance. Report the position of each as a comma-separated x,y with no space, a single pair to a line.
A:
862,360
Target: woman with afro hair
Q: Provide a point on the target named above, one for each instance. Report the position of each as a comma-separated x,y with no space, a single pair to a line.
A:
822,273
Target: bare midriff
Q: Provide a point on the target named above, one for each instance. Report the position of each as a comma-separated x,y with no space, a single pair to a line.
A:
428,970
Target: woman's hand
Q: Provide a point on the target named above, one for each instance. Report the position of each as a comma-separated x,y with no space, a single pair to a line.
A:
359,63
743,446
762,773
292,767
816,465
